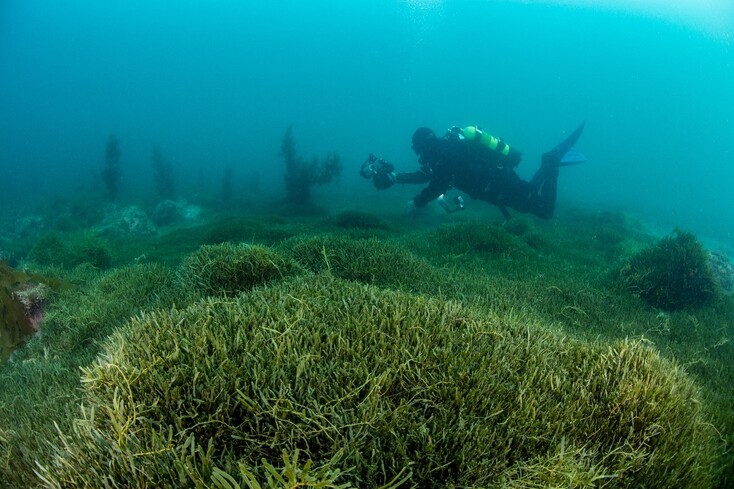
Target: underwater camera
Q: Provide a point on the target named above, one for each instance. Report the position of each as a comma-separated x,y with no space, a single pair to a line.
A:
379,170
375,166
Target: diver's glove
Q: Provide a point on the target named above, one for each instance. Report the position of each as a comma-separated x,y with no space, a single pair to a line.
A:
458,201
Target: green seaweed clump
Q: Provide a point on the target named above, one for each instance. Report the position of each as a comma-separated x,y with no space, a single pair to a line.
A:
672,275
369,261
228,269
383,387
473,237
70,251
301,175
41,385
237,229
359,220
87,315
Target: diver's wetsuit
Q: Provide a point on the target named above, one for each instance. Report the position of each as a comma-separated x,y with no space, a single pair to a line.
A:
486,175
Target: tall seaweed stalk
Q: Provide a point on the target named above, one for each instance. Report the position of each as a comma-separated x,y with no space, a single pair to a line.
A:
301,175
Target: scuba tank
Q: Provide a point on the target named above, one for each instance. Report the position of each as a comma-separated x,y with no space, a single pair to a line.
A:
495,144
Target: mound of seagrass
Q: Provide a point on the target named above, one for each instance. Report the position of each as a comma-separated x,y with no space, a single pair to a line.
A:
384,386
477,237
673,274
81,319
228,269
369,261
359,220
39,390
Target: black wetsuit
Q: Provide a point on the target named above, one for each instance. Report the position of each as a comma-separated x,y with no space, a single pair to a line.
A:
484,174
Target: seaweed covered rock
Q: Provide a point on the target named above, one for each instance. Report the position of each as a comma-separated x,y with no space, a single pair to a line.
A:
369,261
674,274
228,269
168,212
388,385
126,221
23,300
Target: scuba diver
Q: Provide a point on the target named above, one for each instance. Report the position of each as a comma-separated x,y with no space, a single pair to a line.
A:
480,165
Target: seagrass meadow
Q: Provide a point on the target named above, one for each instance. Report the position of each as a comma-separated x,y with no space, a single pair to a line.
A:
356,350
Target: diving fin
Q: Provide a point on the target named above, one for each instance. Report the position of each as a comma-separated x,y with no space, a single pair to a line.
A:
565,146
572,157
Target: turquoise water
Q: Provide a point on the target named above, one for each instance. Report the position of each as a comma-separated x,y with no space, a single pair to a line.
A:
215,84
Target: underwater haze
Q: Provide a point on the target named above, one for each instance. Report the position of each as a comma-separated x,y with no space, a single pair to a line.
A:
215,84
198,288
